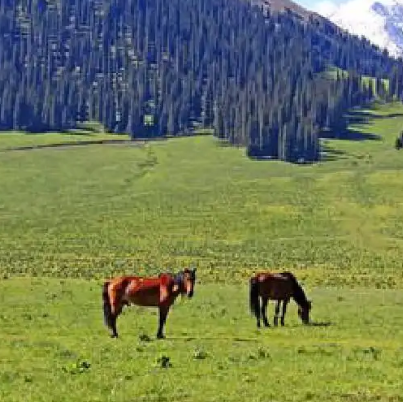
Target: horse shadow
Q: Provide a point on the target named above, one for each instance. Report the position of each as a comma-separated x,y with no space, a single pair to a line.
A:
211,338
320,324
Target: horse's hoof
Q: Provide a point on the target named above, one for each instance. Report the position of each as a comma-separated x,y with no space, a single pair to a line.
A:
113,336
160,336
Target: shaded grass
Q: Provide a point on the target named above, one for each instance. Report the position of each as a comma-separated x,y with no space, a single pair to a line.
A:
331,73
98,210
54,347
10,140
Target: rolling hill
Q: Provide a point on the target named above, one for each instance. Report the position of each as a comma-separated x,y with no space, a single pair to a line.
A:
171,67
78,205
282,6
99,210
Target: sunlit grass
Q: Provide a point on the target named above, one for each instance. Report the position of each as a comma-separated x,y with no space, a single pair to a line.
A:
19,139
101,210
54,347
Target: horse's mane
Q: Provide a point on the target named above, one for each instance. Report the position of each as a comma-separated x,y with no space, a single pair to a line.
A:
177,277
299,294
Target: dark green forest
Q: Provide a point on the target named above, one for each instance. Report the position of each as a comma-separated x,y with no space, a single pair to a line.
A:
167,67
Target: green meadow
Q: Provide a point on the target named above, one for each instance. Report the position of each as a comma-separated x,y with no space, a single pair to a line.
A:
100,210
10,140
53,347
72,216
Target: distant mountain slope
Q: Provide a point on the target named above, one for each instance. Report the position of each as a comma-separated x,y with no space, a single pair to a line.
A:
158,67
284,6
379,21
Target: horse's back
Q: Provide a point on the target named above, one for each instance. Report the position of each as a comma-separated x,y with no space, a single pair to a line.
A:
274,285
143,291
271,277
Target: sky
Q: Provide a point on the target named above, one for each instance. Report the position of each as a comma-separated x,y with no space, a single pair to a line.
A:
319,5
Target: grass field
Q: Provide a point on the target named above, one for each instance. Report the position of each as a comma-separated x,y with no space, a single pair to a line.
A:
15,140
100,210
53,347
71,216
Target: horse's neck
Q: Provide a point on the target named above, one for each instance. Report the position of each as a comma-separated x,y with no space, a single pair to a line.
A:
178,283
299,296
176,293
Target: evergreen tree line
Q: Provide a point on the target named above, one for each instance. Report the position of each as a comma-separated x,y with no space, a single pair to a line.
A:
168,67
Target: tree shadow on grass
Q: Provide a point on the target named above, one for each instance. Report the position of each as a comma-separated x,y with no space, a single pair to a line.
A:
374,116
88,132
348,134
350,127
344,131
358,118
328,154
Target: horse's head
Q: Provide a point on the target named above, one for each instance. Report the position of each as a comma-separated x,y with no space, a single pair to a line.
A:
188,281
303,312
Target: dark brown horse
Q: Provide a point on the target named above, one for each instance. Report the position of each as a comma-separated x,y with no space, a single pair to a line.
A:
158,292
280,287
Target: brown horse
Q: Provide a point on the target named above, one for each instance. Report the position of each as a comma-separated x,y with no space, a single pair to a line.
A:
280,287
158,292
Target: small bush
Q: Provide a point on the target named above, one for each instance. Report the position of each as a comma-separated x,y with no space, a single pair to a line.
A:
199,354
79,367
164,362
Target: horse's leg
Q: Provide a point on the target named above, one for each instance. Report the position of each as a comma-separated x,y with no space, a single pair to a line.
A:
265,302
285,302
277,312
112,306
116,310
163,313
257,312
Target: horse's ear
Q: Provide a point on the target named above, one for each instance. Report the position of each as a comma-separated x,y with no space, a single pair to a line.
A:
194,269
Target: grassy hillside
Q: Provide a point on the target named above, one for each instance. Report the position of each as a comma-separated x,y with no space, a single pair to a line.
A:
12,140
53,347
332,72
101,210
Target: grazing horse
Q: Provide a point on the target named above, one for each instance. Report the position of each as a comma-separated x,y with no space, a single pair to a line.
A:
280,287
158,292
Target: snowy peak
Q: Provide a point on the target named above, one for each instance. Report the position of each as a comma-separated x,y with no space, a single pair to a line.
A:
381,22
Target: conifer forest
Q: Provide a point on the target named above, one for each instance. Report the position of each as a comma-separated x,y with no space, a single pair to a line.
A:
153,68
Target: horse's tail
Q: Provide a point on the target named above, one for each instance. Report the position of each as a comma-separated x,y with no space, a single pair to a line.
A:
107,304
254,296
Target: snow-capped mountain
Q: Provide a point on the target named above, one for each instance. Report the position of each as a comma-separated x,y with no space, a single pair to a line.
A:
381,22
